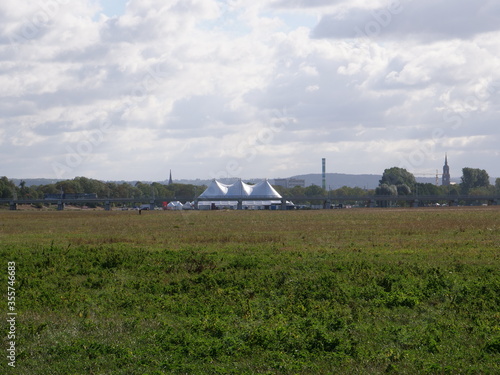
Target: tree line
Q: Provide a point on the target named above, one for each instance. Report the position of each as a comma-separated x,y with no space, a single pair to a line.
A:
398,181
83,185
395,181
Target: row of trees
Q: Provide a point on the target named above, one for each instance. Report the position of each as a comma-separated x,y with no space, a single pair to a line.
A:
395,181
317,191
140,190
398,181
103,189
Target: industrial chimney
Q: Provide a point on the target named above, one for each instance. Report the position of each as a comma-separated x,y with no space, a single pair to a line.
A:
324,174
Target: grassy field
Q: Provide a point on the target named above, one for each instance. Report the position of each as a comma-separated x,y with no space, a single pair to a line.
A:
403,291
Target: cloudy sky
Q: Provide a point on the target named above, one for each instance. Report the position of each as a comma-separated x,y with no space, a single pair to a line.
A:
117,89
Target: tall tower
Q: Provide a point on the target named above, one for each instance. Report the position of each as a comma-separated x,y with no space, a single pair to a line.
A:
446,172
170,178
323,174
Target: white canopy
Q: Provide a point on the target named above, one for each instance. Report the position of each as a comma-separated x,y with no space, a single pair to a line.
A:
238,190
174,206
263,190
215,190
188,206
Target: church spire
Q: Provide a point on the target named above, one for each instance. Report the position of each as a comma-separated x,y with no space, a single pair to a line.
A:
446,171
170,182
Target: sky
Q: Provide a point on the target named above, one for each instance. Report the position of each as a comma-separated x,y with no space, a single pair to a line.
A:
129,90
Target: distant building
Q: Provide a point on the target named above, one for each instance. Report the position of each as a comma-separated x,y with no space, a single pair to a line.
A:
281,182
170,182
446,172
293,182
290,182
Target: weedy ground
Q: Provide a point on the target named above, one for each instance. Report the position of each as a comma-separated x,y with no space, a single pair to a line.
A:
366,291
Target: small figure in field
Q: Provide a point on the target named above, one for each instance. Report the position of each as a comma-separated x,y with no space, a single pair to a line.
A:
140,211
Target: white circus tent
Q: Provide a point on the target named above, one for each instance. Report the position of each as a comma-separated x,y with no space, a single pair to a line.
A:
239,190
188,206
175,205
215,190
249,196
264,189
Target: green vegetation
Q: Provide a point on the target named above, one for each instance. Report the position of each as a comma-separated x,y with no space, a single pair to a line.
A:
475,178
103,189
232,292
396,181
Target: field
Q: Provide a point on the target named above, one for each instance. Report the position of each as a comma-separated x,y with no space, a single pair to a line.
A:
368,291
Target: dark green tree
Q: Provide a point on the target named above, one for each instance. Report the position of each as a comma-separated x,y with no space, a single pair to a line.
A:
399,177
161,190
7,188
283,191
26,192
47,189
297,191
184,191
123,190
427,189
385,189
145,189
314,191
453,190
23,189
91,186
346,191
490,190
474,178
403,189
69,187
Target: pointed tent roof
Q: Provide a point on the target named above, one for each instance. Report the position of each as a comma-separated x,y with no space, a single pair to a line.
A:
239,189
175,205
215,190
265,190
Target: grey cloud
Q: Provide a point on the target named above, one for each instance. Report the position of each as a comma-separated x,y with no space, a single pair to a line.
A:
425,19
11,108
305,3
199,111
51,128
66,97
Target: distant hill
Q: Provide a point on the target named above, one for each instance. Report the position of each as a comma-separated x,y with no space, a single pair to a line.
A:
337,180
365,181
333,180
227,181
35,181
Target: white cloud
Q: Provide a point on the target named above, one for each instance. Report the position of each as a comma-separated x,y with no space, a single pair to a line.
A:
195,86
